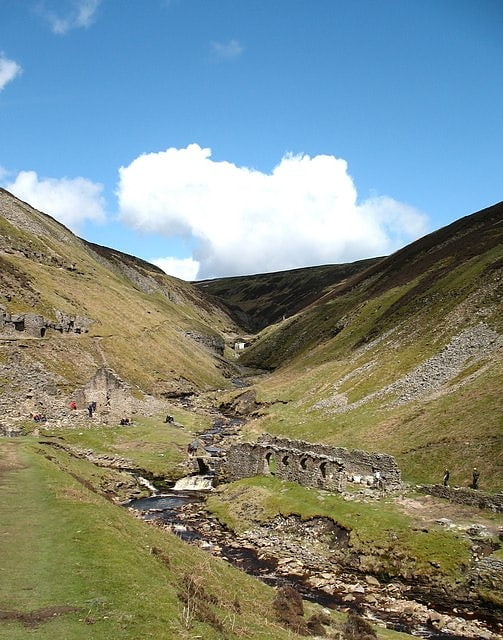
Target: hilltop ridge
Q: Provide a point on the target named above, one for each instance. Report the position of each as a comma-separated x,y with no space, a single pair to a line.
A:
256,301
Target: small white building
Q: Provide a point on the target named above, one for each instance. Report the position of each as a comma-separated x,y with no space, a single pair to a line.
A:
238,347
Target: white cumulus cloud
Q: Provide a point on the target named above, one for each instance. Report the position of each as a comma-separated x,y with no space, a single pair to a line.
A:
226,50
78,14
304,213
184,268
69,200
8,70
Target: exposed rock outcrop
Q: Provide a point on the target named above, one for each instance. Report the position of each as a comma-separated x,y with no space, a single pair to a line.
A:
214,342
243,404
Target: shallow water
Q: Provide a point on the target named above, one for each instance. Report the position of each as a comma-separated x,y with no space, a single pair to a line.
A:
168,506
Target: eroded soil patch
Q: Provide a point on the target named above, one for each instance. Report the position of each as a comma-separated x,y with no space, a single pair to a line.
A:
33,619
426,510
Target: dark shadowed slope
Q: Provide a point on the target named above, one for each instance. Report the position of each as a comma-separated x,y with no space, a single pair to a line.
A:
260,300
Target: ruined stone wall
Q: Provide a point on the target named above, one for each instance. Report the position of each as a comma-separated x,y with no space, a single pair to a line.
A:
36,326
111,394
310,465
462,495
357,466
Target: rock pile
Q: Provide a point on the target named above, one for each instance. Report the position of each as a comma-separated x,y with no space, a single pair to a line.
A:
472,345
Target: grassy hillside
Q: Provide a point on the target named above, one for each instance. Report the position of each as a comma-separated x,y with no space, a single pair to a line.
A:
401,355
405,357
263,299
74,565
80,567
159,334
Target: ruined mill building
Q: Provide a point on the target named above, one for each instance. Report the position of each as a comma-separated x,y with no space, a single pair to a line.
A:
311,465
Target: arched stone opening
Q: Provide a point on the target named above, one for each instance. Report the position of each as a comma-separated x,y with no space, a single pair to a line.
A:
285,461
203,467
303,462
270,463
323,469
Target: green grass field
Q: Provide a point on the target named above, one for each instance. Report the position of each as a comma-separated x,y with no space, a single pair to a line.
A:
74,565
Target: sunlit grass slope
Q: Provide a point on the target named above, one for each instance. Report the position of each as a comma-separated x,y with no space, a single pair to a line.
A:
413,322
154,330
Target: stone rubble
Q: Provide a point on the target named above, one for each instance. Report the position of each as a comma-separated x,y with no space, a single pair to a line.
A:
474,344
301,551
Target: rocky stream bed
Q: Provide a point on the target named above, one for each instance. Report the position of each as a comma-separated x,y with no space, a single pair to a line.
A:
288,551
310,555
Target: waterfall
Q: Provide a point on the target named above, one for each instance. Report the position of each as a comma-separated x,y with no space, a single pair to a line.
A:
146,483
194,483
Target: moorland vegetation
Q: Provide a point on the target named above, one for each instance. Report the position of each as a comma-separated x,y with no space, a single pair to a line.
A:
401,355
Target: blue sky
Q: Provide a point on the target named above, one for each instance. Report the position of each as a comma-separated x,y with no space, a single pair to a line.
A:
223,137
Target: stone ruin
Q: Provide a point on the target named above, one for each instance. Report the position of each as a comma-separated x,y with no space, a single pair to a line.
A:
111,394
36,326
311,465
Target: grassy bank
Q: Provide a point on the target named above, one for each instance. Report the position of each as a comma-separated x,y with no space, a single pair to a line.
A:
101,573
73,565
380,533
149,443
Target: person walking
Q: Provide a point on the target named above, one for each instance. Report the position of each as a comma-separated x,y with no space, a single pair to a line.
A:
475,478
378,480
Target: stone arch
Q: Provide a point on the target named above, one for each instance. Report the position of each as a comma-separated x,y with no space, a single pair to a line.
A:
204,469
270,463
303,462
323,468
285,460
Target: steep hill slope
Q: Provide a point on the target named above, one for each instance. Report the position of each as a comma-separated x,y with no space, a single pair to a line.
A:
260,300
404,357
78,320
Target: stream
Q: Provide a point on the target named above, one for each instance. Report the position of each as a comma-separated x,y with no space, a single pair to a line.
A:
183,513
174,511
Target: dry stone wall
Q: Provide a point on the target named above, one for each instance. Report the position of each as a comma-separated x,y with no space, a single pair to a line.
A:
463,495
311,465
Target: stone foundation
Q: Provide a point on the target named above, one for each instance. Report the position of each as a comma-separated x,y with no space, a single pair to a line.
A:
111,394
36,326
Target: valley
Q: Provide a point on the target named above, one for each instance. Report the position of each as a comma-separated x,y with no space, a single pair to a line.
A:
399,357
